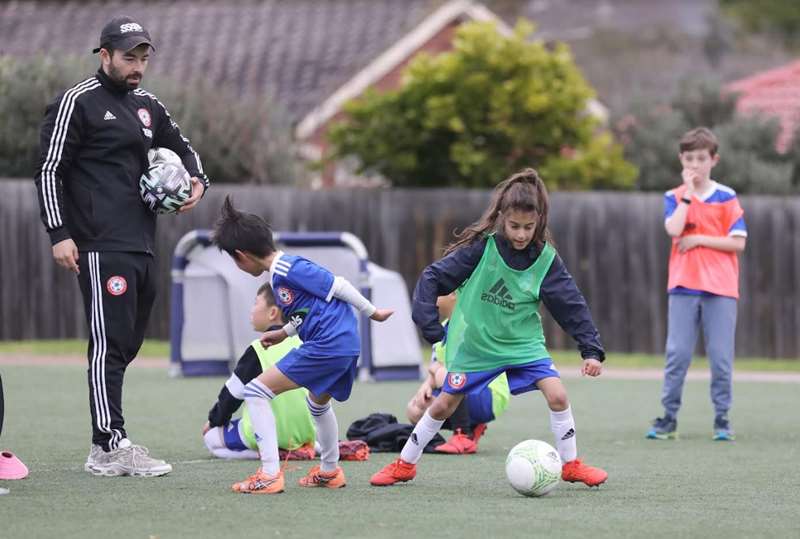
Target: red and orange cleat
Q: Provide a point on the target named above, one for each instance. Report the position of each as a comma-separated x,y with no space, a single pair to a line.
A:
478,431
396,472
317,478
304,452
458,444
353,450
575,471
260,483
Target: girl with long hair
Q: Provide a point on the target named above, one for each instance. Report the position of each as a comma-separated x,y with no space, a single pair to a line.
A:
501,268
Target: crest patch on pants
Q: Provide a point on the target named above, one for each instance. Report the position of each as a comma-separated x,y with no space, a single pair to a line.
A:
116,285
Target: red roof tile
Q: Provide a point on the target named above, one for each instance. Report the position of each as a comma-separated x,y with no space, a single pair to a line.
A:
775,93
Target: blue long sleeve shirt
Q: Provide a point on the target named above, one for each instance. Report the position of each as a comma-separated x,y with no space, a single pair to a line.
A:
558,291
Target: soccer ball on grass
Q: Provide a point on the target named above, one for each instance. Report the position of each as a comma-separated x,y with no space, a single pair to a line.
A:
533,468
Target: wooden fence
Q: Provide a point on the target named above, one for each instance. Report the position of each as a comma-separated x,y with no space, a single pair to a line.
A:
613,244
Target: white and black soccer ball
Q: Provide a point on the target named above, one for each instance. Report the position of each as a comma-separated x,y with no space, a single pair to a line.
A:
533,468
166,185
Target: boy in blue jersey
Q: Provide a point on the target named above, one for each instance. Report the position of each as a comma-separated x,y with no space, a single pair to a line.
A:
230,438
317,306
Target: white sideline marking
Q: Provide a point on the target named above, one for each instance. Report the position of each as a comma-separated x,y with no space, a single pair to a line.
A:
657,374
569,372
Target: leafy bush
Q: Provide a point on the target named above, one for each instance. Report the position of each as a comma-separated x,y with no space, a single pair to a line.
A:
778,17
476,114
749,161
238,140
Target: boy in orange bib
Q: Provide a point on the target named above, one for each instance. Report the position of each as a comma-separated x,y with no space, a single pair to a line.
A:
706,224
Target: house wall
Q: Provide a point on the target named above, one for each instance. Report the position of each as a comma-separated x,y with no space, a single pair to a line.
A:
441,42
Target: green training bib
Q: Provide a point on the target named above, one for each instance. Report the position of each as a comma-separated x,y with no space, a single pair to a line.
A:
496,320
501,393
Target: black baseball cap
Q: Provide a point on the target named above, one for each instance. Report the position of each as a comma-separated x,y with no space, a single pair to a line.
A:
123,33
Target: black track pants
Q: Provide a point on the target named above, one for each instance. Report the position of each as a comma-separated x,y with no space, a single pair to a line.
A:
118,291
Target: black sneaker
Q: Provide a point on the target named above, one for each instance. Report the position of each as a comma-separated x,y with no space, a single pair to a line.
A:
664,428
722,429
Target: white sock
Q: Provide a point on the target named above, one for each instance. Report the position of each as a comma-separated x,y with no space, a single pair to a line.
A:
563,426
424,431
327,434
257,397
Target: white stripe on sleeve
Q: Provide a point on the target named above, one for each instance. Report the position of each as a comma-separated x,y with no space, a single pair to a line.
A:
56,147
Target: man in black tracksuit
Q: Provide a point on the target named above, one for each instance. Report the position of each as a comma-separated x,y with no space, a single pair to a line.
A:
94,143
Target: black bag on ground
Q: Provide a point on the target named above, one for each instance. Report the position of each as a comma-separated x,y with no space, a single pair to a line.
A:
384,434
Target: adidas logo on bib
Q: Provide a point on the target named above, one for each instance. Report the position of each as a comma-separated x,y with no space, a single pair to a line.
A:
499,295
109,116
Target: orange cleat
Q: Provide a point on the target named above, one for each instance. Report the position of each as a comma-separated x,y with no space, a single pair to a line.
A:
575,471
317,478
260,483
478,431
304,452
458,444
396,472
353,450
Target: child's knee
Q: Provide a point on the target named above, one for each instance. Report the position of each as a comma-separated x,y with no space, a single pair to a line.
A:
213,439
557,400
316,408
321,400
444,405
414,412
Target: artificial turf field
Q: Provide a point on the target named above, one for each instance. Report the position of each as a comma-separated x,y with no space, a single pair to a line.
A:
687,488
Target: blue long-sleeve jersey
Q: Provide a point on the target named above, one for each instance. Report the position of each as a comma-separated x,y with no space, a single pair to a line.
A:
559,292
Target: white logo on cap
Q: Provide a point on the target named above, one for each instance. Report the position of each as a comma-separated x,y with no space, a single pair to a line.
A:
130,27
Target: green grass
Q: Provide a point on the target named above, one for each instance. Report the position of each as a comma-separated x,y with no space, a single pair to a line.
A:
688,488
153,348
73,347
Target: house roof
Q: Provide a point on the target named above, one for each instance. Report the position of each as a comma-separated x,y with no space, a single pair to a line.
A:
774,93
311,56
298,51
578,19
394,56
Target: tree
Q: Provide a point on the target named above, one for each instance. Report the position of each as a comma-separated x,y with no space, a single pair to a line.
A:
472,116
238,140
779,17
749,160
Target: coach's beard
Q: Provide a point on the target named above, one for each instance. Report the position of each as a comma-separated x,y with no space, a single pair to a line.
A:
131,82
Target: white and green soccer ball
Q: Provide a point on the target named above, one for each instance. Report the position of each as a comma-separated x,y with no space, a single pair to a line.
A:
166,185
533,468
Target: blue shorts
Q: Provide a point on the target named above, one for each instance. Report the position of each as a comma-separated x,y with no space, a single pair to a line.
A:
479,404
320,375
232,437
521,378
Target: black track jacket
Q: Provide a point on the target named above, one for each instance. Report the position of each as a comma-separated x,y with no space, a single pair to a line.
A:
93,150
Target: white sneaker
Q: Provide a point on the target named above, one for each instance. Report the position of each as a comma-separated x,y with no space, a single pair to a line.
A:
96,456
127,459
